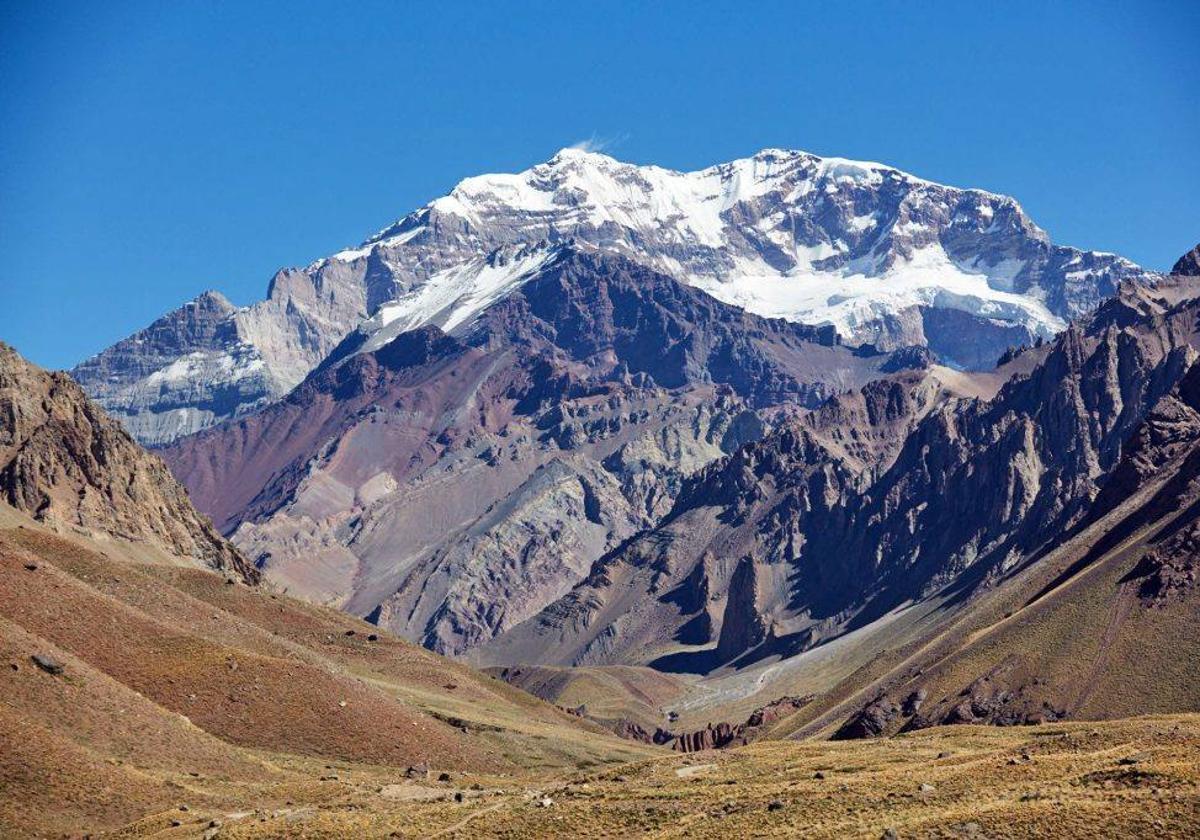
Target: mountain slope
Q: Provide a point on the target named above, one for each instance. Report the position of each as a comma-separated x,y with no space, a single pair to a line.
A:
1188,265
150,699
190,366
1103,625
177,687
136,678
452,486
879,254
675,586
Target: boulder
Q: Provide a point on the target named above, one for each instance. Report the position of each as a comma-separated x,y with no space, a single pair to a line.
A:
47,664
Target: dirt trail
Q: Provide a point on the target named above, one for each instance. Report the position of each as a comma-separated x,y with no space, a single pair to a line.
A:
693,770
450,829
1126,597
529,796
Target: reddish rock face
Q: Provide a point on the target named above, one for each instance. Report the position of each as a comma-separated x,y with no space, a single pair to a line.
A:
1189,264
724,735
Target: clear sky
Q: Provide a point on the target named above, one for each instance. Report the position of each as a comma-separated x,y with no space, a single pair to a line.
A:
149,151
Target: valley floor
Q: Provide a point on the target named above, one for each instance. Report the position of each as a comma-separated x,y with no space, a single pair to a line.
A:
1128,778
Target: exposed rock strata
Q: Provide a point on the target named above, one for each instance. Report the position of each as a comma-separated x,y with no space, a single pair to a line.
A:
450,487
848,523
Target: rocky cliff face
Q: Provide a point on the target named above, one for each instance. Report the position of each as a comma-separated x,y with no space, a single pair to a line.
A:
980,487
451,487
1103,625
64,461
209,360
179,374
735,522
878,255
873,502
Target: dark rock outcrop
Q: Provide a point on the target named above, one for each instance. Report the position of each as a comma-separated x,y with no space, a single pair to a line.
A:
742,626
712,737
873,720
997,698
1188,265
47,663
723,735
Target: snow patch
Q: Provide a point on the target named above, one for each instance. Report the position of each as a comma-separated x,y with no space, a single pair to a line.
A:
351,254
455,297
849,299
220,367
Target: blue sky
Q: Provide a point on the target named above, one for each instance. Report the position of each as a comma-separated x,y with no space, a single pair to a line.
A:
149,151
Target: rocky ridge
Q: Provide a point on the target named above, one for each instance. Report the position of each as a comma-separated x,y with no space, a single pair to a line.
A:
63,461
793,537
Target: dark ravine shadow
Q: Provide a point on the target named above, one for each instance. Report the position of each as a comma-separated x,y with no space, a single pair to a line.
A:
699,662
707,661
784,647
696,631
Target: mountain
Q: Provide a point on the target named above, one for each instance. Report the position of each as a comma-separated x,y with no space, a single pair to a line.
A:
66,463
450,487
1102,625
603,466
881,256
183,372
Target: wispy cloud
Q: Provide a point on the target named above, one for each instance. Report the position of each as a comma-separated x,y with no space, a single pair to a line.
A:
596,143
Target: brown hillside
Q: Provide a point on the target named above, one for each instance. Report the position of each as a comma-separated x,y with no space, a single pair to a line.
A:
169,671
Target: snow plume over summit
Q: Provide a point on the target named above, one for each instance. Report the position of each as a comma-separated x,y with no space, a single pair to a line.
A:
865,247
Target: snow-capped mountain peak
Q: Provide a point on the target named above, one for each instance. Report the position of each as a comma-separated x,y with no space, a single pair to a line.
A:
453,298
872,250
782,233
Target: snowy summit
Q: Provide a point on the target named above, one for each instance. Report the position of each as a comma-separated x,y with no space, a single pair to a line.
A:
885,257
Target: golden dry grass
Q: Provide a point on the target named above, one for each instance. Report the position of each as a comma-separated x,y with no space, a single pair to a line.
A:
179,685
1131,778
